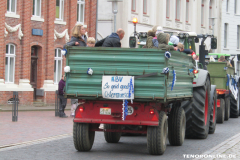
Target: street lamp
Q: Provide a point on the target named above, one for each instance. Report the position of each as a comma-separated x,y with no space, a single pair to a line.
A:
135,21
115,10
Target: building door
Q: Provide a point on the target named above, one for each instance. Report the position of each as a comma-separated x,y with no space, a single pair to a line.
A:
33,76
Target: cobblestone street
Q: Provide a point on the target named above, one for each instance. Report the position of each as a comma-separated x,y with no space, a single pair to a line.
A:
32,125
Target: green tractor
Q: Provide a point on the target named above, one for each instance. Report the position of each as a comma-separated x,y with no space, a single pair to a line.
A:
201,111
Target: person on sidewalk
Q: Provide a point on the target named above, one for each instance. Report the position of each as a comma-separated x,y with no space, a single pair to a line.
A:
63,101
113,40
74,103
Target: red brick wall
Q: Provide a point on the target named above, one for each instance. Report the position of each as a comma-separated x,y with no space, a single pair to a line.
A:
3,6
25,97
45,43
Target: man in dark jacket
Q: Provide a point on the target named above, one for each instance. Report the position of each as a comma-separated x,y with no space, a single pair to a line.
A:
63,101
113,40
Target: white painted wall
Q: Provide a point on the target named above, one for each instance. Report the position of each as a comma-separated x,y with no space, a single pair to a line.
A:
233,20
156,15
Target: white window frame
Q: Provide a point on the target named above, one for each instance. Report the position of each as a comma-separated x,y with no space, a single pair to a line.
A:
40,9
9,56
56,58
225,35
168,14
238,37
79,3
10,6
60,10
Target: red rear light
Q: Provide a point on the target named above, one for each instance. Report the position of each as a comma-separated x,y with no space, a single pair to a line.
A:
194,82
195,71
81,108
151,111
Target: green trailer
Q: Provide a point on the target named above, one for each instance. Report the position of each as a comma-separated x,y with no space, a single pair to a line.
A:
106,80
221,75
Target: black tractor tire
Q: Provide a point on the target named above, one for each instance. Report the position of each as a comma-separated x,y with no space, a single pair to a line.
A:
177,126
227,108
234,110
187,106
83,138
213,115
201,109
157,136
221,111
112,137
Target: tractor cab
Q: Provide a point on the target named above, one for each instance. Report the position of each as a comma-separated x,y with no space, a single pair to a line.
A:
142,39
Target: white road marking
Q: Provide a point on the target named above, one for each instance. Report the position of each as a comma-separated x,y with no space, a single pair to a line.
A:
38,141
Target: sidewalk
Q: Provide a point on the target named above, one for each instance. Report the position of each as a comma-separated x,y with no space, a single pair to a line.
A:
31,126
4,108
229,149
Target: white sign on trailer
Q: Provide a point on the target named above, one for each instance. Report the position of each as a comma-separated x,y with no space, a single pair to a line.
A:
117,87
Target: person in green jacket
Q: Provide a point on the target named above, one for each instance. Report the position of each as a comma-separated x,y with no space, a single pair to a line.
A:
163,39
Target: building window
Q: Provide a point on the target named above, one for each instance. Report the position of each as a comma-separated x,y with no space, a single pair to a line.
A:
236,6
37,8
144,6
227,6
187,11
210,13
59,9
11,6
133,5
202,13
80,11
225,35
238,37
168,9
178,9
57,65
10,63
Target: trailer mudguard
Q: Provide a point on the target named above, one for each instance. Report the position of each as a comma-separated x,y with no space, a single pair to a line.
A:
201,78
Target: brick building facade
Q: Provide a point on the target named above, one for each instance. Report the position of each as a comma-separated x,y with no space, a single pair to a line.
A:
34,61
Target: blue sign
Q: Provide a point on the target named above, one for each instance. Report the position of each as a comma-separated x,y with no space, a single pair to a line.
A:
37,32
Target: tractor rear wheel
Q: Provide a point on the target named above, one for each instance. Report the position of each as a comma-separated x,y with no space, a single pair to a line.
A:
201,109
234,110
213,116
227,108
